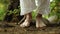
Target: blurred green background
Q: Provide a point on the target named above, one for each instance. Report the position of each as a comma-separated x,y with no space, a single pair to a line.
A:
54,8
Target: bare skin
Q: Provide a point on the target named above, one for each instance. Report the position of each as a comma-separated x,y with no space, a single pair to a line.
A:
27,21
39,22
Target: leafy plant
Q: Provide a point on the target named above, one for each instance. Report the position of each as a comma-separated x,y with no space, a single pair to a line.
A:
3,8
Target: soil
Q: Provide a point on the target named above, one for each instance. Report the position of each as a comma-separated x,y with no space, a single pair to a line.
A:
13,28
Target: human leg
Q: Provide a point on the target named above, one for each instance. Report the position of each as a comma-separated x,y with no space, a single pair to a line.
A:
27,21
42,8
39,21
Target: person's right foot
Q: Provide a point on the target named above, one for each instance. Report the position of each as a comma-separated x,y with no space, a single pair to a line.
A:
27,21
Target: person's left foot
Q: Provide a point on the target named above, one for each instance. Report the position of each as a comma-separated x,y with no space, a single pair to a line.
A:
40,23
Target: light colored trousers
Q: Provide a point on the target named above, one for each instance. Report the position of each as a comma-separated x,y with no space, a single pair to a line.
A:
41,6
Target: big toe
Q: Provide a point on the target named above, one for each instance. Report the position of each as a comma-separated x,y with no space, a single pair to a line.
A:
24,25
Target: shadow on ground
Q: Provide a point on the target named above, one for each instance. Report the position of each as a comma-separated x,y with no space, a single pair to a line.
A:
13,28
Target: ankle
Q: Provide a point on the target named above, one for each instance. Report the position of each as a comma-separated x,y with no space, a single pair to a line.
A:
28,16
39,16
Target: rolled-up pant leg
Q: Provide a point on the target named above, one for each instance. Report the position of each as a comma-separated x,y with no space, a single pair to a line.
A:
43,6
27,6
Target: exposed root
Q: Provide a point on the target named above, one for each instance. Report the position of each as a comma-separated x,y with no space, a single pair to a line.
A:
22,20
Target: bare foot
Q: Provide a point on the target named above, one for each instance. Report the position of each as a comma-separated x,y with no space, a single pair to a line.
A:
27,21
39,22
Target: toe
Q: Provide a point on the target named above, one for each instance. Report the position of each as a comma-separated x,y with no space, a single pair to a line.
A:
25,24
40,23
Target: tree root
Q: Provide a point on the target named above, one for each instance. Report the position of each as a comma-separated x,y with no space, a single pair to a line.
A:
21,20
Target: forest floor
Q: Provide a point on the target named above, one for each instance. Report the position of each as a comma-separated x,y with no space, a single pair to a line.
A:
13,28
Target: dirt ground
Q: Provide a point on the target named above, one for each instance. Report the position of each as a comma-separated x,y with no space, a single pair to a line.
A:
13,28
